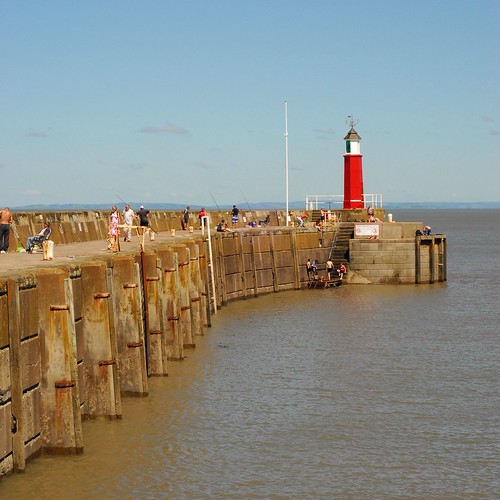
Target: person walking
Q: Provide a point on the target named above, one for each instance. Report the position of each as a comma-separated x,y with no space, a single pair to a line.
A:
5,223
128,219
185,218
114,231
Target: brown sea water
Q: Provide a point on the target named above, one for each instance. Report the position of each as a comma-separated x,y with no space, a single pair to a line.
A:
355,392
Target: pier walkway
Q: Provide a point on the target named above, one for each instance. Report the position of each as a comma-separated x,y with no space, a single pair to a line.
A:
67,253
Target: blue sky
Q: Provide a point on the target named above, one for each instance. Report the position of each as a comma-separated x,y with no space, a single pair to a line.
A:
183,101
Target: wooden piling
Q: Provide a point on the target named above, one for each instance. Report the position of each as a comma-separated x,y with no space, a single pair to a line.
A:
172,339
61,423
127,304
151,276
99,357
183,256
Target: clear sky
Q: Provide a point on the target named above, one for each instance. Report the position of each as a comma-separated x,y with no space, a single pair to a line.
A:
183,101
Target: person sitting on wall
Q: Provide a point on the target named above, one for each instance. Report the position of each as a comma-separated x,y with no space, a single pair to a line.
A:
43,235
266,221
222,227
427,230
418,233
299,221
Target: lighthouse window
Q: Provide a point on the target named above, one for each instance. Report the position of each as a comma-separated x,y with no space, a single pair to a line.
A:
348,146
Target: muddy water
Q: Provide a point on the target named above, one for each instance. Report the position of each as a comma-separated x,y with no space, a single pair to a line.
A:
361,391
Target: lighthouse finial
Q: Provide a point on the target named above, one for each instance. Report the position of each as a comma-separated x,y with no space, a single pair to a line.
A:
351,121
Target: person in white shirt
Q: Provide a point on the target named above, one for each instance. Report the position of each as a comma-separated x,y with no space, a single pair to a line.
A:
128,220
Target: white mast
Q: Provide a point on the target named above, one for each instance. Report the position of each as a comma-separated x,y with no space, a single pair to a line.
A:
286,163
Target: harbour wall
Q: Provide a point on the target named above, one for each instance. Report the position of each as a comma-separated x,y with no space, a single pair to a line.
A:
89,225
76,338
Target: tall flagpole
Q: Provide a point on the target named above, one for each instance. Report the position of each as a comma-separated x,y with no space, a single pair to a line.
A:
286,163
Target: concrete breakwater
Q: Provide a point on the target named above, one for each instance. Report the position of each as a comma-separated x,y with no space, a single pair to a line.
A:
78,336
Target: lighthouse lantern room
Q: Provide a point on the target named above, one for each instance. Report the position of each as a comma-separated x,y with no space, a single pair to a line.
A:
353,169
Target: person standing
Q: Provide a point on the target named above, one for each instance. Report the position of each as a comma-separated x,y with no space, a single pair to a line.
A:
114,231
341,270
143,214
310,270
128,219
370,213
314,266
234,214
329,268
202,215
185,218
5,223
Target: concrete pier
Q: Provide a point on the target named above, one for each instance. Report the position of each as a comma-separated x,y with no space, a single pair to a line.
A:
79,333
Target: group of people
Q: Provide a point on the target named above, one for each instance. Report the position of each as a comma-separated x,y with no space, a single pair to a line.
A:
6,221
126,218
425,232
202,217
312,269
223,227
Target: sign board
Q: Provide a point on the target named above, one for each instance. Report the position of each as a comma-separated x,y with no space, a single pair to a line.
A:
366,230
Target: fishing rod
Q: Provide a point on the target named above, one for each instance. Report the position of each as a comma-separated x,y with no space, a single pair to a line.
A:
249,208
220,213
121,199
17,237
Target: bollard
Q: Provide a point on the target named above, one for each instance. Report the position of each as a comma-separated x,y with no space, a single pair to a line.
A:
389,217
48,250
172,232
191,229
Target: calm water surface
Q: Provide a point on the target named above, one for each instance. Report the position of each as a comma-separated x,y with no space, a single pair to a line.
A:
356,392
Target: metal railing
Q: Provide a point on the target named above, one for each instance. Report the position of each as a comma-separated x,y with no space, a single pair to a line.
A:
336,201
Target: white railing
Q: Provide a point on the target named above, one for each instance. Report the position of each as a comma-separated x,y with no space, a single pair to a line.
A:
336,201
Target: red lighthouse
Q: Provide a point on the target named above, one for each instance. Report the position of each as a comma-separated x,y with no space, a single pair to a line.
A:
353,170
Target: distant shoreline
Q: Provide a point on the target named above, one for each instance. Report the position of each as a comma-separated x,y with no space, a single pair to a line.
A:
253,206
